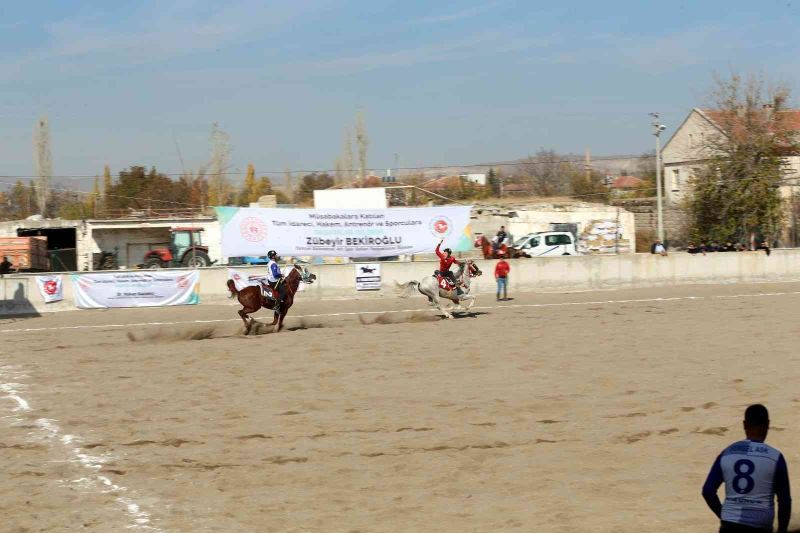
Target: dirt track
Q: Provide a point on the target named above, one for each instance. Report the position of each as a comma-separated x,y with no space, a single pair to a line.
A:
554,412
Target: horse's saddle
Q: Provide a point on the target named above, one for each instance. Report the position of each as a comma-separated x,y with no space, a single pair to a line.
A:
267,291
443,282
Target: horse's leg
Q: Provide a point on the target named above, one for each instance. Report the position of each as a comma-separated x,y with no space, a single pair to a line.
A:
276,316
441,307
245,319
469,300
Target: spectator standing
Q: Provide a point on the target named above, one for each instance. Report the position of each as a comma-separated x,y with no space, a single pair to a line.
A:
5,266
754,473
501,270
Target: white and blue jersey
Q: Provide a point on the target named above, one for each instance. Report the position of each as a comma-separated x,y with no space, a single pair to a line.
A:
273,271
753,473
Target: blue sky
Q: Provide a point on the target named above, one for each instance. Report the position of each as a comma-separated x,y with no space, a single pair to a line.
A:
438,82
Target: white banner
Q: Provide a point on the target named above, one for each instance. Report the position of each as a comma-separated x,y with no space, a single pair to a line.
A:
368,276
151,288
51,288
243,278
252,231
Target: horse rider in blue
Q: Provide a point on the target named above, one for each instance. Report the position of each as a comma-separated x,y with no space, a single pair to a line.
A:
275,280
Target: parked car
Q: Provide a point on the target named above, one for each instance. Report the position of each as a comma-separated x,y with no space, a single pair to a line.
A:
547,243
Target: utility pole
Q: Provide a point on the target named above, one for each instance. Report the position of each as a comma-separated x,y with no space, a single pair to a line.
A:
588,166
658,127
44,163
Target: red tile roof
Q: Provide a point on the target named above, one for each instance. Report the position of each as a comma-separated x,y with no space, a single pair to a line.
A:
626,182
791,116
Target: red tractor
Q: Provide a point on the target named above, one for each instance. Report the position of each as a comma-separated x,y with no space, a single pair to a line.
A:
185,249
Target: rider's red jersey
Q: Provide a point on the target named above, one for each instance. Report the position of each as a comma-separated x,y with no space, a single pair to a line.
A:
444,261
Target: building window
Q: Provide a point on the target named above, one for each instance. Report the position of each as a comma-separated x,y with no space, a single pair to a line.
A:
691,141
676,180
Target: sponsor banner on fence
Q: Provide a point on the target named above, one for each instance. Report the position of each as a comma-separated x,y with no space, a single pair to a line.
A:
152,288
343,232
51,288
368,276
243,278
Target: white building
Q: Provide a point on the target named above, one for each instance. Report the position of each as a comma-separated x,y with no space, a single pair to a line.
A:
479,179
684,153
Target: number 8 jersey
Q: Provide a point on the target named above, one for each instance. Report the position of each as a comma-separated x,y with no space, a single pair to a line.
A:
753,473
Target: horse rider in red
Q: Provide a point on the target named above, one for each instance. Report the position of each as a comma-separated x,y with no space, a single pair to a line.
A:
446,259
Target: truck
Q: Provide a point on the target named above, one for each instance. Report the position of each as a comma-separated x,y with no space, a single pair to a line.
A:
546,243
185,249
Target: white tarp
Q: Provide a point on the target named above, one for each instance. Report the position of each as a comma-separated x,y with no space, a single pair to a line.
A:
152,288
51,288
250,231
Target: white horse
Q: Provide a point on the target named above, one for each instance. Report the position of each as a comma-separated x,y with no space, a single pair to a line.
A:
430,287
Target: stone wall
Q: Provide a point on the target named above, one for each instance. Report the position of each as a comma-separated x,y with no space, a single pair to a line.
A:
645,215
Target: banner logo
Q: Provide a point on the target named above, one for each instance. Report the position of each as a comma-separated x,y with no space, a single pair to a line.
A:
50,287
253,229
441,227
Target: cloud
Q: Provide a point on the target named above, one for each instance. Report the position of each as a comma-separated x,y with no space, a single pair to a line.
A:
477,45
159,32
458,15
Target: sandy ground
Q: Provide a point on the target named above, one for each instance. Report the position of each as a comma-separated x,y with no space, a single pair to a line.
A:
595,411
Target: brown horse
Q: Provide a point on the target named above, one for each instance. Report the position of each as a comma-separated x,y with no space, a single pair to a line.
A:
252,299
503,251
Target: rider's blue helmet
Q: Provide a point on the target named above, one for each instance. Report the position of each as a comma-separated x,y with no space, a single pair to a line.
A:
272,254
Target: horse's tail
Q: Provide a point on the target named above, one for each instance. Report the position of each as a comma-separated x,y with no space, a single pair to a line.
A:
405,290
232,288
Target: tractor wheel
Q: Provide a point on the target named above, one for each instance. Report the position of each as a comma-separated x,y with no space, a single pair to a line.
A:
196,260
153,262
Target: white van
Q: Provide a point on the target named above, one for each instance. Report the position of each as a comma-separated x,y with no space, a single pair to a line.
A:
547,243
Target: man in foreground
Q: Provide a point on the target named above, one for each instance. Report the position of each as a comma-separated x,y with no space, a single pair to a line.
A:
754,473
501,271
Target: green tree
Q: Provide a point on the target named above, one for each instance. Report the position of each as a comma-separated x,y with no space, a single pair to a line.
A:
735,194
310,183
263,187
493,181
248,193
587,188
138,188
107,183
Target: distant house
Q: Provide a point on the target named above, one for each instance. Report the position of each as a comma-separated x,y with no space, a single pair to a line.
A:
626,183
684,152
621,185
479,179
449,182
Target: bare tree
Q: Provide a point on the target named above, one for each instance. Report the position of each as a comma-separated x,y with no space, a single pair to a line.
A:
218,187
362,140
347,155
43,161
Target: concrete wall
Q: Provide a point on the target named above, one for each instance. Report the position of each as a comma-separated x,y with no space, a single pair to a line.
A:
133,238
19,295
592,225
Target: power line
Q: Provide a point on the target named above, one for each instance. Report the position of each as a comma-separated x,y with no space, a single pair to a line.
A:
137,198
399,185
375,169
